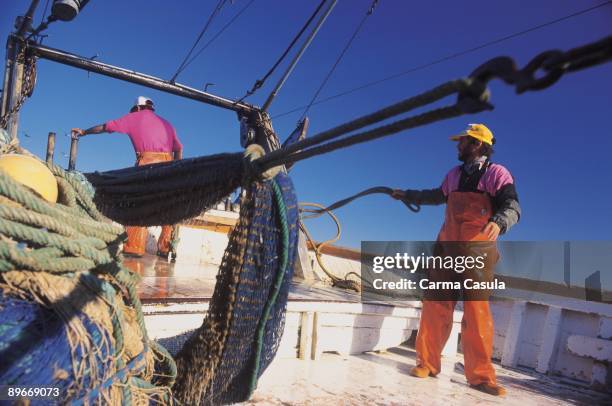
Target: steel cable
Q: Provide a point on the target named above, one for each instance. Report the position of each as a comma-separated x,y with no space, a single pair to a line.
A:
448,57
260,82
212,16
335,65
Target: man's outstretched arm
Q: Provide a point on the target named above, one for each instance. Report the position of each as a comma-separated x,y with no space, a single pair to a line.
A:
97,129
428,197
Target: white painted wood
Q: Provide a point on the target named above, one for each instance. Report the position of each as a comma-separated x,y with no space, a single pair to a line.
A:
401,309
316,348
450,348
599,375
590,347
175,308
566,303
513,335
550,339
366,320
605,328
349,340
568,364
303,265
212,247
306,326
170,325
288,347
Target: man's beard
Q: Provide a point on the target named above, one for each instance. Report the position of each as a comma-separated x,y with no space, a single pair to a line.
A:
463,156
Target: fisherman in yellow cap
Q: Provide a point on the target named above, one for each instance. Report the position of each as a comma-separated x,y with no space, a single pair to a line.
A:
481,203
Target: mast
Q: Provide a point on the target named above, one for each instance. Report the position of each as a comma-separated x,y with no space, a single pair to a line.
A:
13,74
131,76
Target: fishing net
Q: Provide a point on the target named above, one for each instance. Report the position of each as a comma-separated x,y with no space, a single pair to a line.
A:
166,193
65,287
69,314
221,362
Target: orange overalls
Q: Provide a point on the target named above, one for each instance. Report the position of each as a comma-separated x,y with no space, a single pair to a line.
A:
137,236
466,215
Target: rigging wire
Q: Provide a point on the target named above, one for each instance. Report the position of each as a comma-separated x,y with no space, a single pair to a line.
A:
541,72
226,26
212,16
448,57
260,82
335,65
296,58
44,14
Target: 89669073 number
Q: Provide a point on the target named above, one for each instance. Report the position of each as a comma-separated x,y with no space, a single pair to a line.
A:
8,392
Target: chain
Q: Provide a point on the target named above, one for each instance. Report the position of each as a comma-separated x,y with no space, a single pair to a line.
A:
552,64
27,86
473,97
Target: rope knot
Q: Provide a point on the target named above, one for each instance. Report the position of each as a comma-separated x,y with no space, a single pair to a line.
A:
252,169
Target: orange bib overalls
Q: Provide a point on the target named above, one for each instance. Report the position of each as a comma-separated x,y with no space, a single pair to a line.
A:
466,215
137,236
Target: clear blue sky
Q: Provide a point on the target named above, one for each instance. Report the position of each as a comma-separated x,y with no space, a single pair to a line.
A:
557,143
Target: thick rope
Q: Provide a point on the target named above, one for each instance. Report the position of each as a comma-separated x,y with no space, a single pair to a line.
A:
472,98
168,192
413,207
72,239
317,247
297,151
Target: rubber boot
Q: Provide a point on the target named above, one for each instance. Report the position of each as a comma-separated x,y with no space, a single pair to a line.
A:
163,242
490,388
420,372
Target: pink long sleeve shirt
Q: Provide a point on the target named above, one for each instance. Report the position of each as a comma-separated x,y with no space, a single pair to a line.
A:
147,131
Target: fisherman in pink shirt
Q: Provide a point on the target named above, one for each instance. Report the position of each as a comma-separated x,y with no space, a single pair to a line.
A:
154,140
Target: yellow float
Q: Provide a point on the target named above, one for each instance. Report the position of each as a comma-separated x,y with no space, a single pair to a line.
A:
32,173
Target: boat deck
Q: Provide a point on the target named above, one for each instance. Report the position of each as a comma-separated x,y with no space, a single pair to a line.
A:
182,291
164,281
382,379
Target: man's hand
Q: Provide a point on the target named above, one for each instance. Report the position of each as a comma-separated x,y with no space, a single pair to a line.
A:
491,230
398,194
96,129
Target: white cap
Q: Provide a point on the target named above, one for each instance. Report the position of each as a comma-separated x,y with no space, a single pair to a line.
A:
143,101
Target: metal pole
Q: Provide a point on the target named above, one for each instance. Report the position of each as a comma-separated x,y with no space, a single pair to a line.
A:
8,71
26,23
74,143
13,75
51,147
15,92
299,55
80,62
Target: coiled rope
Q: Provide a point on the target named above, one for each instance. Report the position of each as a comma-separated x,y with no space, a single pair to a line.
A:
71,241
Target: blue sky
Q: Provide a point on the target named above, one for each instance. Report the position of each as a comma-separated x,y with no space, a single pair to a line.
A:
557,143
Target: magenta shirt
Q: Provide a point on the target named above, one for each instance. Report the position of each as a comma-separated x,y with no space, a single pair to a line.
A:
147,131
494,178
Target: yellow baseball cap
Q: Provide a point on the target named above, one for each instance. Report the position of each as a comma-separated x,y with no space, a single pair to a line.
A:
478,131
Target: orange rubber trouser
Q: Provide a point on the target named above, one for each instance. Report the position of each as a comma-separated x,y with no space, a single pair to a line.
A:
137,236
466,215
